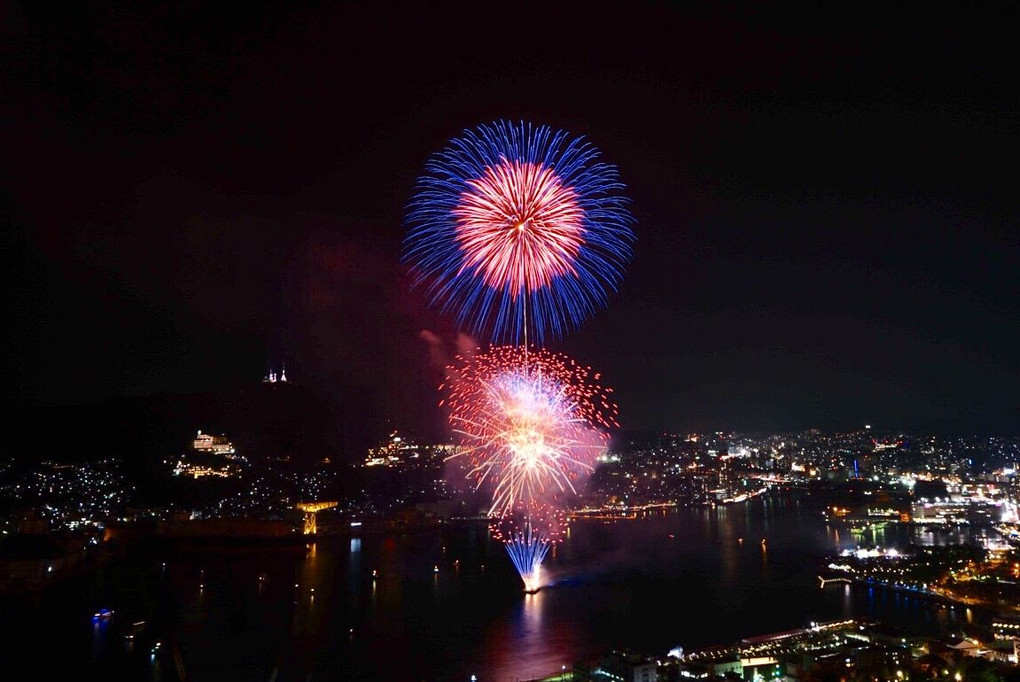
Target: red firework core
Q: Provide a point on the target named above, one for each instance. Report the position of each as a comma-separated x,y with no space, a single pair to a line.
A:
519,226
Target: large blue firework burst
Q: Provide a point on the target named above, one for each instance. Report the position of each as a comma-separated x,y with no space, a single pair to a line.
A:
518,231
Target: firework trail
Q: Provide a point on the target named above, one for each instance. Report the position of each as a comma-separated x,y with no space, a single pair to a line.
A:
531,424
528,534
517,229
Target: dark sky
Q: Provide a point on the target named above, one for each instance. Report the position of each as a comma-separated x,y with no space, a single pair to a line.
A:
826,203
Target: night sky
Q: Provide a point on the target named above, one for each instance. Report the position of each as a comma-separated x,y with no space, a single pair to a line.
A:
826,203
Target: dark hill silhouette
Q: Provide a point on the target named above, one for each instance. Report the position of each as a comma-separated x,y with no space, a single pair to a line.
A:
263,420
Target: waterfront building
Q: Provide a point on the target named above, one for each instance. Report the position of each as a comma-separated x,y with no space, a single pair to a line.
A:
625,666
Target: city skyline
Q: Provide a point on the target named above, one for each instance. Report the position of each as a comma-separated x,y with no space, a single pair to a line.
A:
825,233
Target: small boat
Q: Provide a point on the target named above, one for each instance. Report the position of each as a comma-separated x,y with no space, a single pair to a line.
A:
102,615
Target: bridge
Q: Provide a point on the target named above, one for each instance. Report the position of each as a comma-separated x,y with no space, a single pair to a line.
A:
311,509
826,581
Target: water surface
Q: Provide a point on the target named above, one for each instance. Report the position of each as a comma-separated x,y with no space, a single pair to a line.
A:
437,606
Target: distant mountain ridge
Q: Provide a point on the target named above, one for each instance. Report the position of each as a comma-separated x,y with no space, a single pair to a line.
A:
266,420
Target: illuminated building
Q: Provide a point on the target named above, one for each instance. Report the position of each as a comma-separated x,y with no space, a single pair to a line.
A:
219,445
399,452
273,377
210,456
624,666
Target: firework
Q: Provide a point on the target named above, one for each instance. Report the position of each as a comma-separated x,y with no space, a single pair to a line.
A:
531,424
528,534
518,229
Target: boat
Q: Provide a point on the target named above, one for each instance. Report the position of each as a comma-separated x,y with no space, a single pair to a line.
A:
102,615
